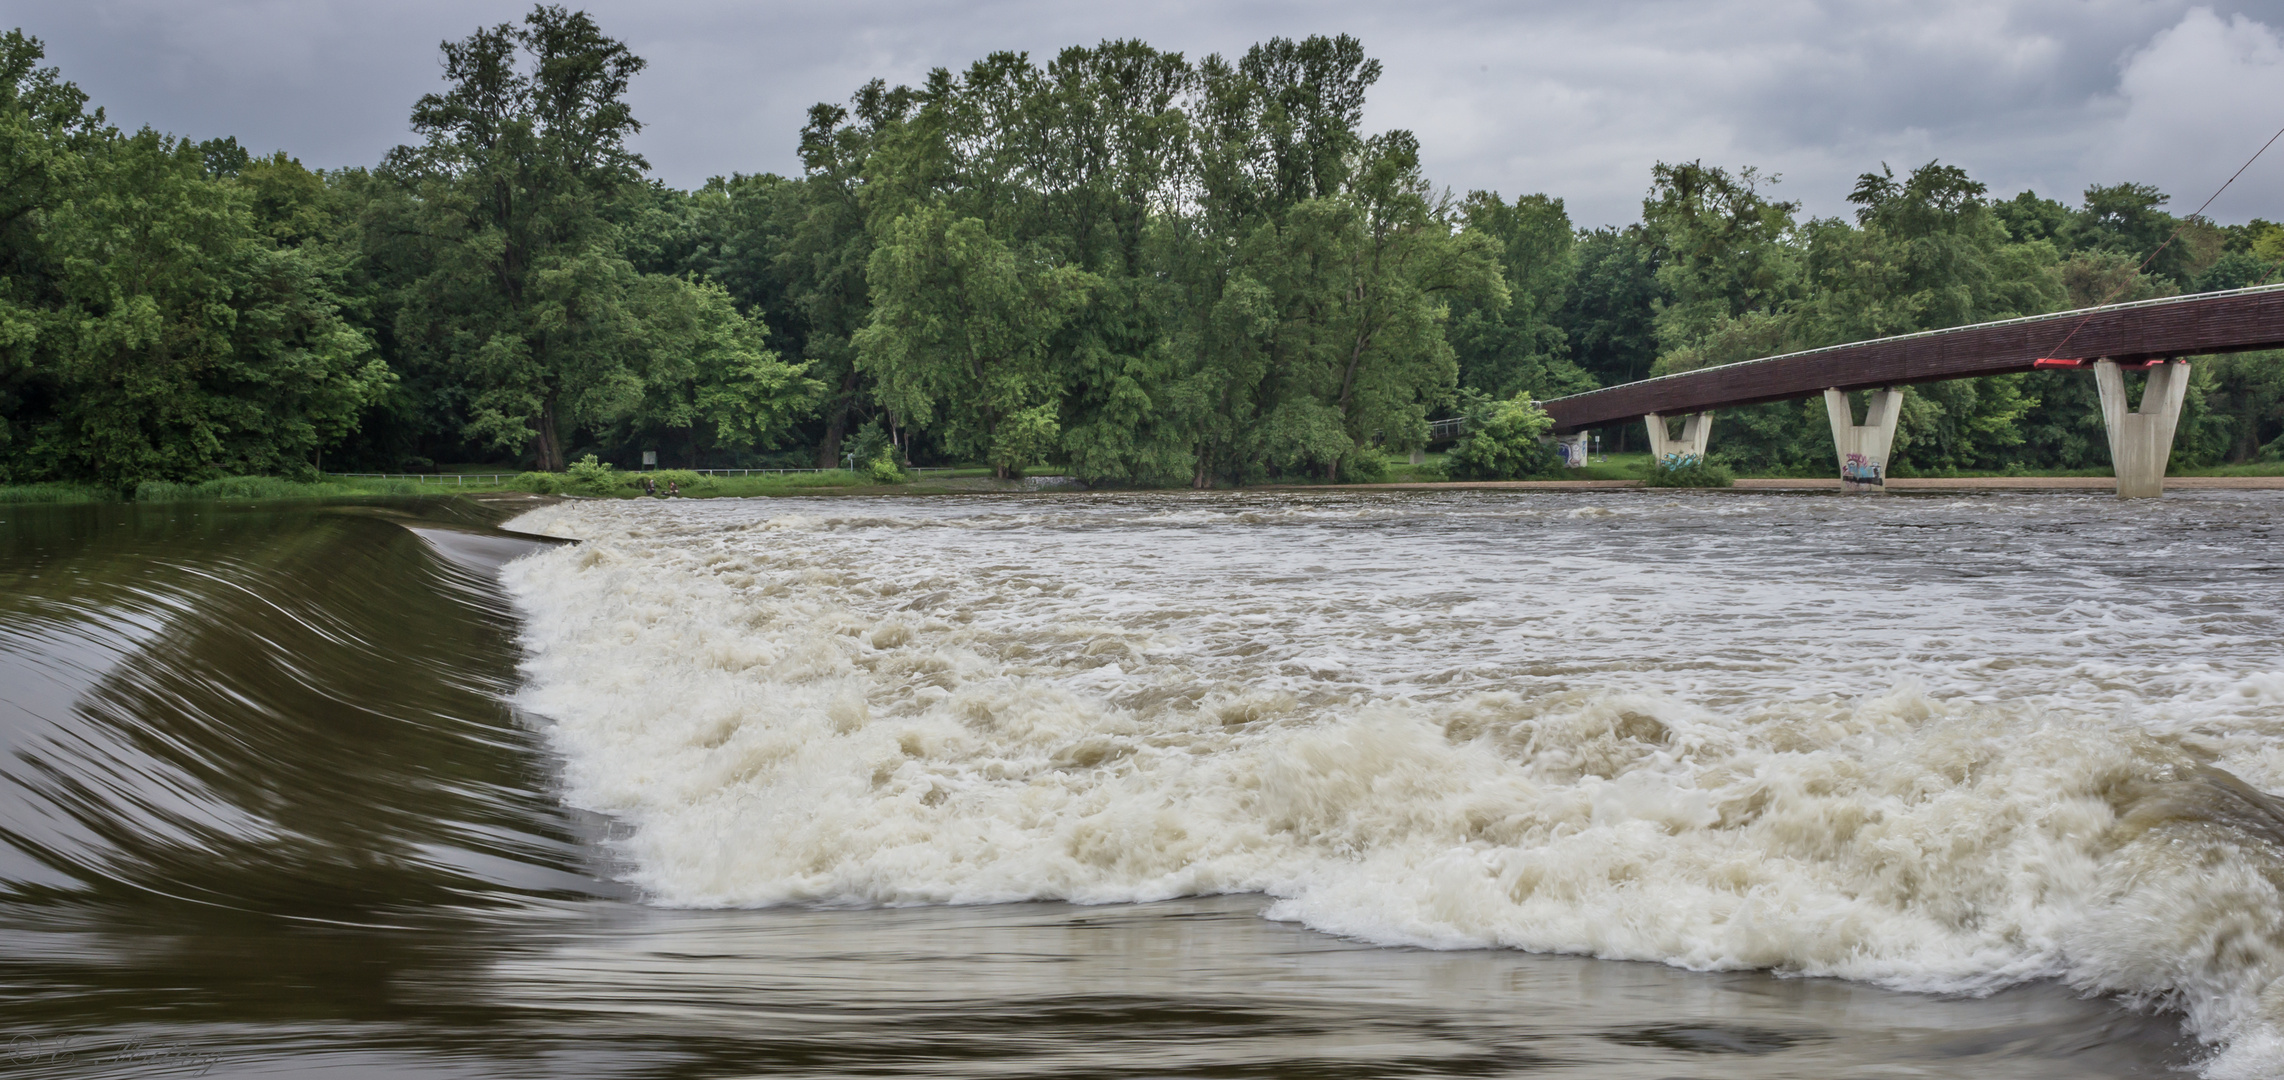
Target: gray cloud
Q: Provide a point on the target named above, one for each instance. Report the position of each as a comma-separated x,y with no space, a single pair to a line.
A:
1574,100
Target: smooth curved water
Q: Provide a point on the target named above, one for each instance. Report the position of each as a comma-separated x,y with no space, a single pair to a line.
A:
295,791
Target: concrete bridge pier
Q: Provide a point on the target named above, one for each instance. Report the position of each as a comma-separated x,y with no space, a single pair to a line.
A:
2141,440
1863,448
1572,447
1696,429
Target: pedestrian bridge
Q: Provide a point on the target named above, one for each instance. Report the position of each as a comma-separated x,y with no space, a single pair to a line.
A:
2151,335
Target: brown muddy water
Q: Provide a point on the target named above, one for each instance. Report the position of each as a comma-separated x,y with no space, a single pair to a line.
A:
1615,784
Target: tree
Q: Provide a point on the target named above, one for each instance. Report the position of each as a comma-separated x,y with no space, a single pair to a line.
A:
1282,125
1360,286
2028,217
47,135
1520,346
1929,253
523,173
960,333
1728,263
1502,441
711,383
189,346
1607,318
150,326
826,255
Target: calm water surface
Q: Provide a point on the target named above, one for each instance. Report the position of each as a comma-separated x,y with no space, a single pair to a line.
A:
1133,786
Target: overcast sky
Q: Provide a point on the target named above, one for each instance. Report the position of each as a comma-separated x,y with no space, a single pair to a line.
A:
1573,99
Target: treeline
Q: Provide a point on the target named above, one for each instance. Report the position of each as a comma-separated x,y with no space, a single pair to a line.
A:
1123,263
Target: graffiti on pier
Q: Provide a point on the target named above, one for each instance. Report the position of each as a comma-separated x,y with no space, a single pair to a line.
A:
1679,460
1861,470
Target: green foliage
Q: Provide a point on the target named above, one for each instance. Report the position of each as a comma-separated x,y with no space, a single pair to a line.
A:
709,381
529,298
882,470
1607,317
541,483
656,481
149,325
265,488
1121,262
1230,281
1929,253
1727,252
874,454
962,336
55,493
1520,346
1363,465
1503,441
588,476
1689,471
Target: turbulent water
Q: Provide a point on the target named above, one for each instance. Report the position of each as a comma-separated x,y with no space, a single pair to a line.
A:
1167,785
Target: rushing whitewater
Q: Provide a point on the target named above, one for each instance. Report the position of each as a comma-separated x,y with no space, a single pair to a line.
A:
1938,745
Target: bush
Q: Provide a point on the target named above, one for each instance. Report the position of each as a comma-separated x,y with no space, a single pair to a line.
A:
1502,441
591,477
870,442
1363,465
872,455
540,483
1688,471
881,470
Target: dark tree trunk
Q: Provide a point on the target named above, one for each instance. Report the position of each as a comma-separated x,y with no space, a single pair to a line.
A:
549,442
829,448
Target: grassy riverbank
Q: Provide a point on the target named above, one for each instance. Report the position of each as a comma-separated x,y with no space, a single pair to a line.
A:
269,488
1617,468
254,488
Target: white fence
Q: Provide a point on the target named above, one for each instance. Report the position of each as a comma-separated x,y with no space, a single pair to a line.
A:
439,479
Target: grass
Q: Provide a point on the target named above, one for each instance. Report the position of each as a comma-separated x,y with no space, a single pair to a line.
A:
628,485
2246,468
1600,467
832,482
1614,467
765,484
55,493
260,488
264,488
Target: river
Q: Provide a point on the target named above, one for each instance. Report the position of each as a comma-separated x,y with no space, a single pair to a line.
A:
1613,784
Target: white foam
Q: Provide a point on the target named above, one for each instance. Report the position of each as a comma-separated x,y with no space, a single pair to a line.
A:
1453,723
